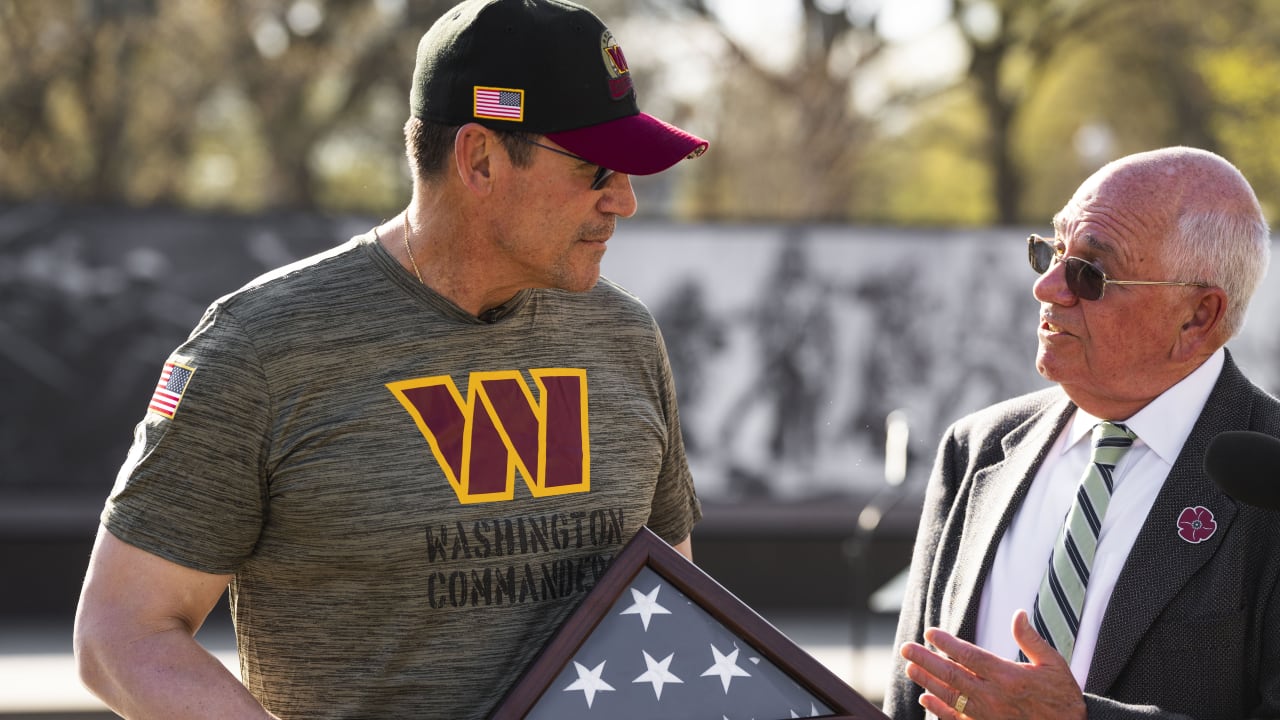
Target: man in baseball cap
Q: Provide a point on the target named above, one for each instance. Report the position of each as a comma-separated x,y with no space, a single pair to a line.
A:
409,458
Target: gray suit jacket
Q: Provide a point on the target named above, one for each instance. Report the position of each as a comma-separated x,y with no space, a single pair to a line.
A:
1191,630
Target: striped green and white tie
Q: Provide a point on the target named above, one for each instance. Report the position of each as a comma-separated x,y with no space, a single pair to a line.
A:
1061,597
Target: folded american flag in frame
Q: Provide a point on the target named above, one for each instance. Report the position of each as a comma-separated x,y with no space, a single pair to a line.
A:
659,639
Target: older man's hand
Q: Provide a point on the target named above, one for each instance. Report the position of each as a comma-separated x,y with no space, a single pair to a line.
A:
993,687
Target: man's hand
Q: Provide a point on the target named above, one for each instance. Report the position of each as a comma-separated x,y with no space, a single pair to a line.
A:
1041,689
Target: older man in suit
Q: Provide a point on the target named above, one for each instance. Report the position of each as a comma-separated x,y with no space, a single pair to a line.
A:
1053,580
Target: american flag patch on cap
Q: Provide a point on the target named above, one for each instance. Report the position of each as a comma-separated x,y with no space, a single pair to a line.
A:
168,394
499,103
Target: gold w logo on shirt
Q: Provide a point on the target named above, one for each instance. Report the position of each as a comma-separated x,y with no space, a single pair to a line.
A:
501,428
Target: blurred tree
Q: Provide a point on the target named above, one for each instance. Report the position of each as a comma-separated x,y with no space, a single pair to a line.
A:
246,104
929,173
1011,44
299,103
1056,89
1241,64
1139,84
945,149
313,75
65,88
1090,70
788,139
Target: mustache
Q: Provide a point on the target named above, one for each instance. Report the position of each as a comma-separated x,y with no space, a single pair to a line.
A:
598,231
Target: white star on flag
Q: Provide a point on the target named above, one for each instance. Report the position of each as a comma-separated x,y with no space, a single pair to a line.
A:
679,683
646,606
589,681
726,666
658,674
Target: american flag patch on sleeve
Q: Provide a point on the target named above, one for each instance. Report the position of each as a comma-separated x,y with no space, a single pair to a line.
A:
173,383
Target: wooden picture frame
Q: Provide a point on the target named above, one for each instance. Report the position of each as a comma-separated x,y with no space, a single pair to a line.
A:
646,552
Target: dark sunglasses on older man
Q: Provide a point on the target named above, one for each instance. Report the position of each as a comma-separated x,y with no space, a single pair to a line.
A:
1084,279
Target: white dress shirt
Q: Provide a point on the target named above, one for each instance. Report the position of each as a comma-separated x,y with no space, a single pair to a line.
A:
1023,555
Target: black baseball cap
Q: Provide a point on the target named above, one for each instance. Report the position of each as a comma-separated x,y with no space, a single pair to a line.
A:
548,67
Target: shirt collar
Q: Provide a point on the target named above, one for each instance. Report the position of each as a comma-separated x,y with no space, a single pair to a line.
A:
1164,424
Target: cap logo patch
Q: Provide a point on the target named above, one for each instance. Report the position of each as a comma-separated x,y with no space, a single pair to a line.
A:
496,103
615,63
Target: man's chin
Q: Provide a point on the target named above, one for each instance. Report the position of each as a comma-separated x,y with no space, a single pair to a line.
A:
581,284
1048,368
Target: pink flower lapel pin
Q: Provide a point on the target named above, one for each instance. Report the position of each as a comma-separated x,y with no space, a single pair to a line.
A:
1195,524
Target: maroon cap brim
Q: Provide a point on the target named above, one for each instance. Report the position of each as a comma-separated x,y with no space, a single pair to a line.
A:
636,145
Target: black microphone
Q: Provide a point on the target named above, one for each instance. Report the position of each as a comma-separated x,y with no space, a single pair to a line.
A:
1246,464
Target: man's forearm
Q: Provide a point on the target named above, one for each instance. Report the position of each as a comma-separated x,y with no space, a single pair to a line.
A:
165,674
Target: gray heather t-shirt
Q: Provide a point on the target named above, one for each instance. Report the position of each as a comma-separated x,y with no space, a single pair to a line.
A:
411,500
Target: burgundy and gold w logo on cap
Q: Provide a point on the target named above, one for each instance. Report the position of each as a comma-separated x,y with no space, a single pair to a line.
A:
615,63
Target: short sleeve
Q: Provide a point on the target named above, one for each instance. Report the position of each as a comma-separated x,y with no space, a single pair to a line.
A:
193,486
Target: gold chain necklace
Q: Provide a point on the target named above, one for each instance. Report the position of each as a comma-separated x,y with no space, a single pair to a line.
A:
409,249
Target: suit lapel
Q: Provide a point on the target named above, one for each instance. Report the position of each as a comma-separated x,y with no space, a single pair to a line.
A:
997,492
1161,562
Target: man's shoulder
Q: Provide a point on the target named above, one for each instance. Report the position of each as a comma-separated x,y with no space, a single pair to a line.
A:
1007,414
1234,392
316,279
320,269
606,301
611,289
